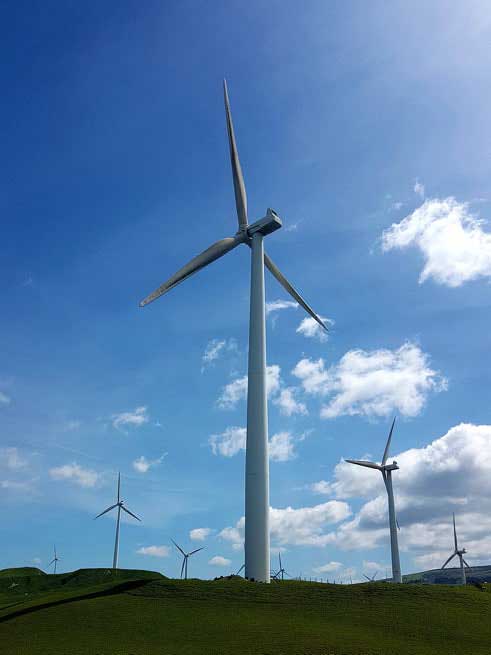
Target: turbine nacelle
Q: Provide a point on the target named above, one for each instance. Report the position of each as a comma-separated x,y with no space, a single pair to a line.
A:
269,223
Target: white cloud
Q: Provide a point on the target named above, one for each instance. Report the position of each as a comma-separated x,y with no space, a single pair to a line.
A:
76,474
322,488
396,206
419,188
277,305
372,383
215,349
330,567
154,551
455,246
11,459
142,464
36,560
4,399
304,526
312,330
233,440
137,418
288,404
228,443
237,390
199,534
218,560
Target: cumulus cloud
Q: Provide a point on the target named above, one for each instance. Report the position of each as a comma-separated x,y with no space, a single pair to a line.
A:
218,560
136,419
237,389
455,247
330,567
282,447
215,349
372,383
143,465
233,440
4,399
450,474
312,330
11,459
154,551
419,188
303,526
277,305
322,488
288,404
76,474
199,534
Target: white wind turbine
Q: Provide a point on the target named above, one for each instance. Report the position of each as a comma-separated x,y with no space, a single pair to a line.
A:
386,470
120,505
55,559
459,552
256,543
185,556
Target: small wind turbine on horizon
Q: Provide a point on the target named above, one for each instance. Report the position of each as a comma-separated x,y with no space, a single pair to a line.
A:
372,579
386,470
256,544
120,505
55,559
281,571
459,552
186,556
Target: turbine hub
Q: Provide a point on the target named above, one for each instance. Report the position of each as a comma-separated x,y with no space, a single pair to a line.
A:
265,225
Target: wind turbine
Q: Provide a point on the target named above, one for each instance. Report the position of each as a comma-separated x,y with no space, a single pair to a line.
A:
55,559
460,554
120,505
240,570
372,579
386,470
256,543
281,571
186,556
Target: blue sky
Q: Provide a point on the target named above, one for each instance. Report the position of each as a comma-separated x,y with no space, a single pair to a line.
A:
350,118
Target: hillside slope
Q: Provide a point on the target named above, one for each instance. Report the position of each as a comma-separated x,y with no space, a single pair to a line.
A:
164,617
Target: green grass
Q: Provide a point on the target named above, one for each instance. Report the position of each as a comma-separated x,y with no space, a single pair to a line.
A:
170,617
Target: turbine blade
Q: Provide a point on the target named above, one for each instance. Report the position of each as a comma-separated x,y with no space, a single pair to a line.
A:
195,551
130,513
178,547
241,568
238,178
386,451
105,511
455,533
292,291
279,557
52,562
119,485
448,560
370,465
366,576
466,563
208,256
182,567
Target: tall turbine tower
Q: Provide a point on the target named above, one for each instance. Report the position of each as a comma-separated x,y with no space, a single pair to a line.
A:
386,470
460,554
257,463
120,505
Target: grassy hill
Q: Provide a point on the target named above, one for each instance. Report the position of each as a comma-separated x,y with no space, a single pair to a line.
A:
143,613
450,576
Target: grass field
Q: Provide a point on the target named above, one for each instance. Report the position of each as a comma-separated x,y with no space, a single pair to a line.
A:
145,614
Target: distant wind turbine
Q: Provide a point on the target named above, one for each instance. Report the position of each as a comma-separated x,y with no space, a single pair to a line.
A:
372,579
386,470
459,552
281,571
55,559
120,505
186,556
240,570
256,544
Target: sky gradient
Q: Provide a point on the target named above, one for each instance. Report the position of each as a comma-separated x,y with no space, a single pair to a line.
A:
366,126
